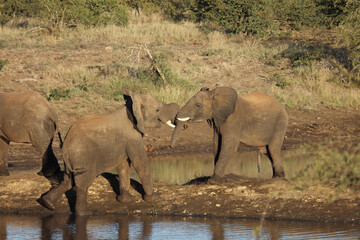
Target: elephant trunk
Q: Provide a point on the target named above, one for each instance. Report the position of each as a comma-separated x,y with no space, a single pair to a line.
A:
179,125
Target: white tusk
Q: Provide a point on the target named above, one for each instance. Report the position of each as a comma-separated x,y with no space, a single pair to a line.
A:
183,119
170,124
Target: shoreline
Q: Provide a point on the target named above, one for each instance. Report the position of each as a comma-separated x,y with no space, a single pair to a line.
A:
237,197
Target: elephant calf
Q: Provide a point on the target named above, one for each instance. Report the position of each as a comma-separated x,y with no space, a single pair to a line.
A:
28,118
98,143
254,119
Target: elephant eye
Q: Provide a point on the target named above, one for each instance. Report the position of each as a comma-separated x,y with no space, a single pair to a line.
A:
198,105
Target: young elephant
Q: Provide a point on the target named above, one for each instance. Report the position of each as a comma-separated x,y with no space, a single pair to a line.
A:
255,119
98,143
28,118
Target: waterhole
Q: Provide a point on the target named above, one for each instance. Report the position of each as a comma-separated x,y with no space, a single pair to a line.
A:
63,226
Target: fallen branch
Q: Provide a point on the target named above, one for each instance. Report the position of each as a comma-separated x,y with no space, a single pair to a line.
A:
155,66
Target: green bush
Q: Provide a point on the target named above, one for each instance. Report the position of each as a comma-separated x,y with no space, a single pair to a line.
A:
332,166
294,14
303,54
330,12
86,12
3,63
349,35
233,16
59,13
59,93
178,10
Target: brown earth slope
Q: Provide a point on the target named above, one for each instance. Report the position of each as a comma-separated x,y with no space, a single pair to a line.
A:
238,197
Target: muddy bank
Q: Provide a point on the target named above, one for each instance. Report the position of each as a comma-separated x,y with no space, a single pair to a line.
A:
237,197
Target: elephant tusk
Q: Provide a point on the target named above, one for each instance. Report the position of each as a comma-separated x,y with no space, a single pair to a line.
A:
183,119
170,124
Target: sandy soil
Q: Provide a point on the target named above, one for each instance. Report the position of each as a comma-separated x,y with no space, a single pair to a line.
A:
237,196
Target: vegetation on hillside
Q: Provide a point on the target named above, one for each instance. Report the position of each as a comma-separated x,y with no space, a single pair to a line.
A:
81,54
309,49
337,167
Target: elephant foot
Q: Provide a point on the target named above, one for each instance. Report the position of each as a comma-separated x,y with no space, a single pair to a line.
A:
4,172
215,179
48,203
83,212
152,197
279,175
124,197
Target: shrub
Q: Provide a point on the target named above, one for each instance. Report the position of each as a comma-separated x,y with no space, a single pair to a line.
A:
303,54
233,16
59,13
59,93
349,35
178,10
331,12
3,63
332,166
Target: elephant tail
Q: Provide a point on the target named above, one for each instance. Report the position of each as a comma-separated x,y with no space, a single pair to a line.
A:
68,166
75,171
60,139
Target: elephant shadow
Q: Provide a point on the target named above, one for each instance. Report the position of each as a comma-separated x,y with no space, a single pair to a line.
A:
198,181
113,180
226,178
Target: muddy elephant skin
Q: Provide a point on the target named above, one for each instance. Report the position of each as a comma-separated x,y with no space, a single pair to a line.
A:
28,118
254,119
99,143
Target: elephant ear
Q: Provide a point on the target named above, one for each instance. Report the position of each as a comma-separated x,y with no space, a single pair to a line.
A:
133,104
223,104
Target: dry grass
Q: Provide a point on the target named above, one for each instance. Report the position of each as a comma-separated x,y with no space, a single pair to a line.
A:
95,64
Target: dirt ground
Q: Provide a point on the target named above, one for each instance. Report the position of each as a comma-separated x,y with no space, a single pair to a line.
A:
236,197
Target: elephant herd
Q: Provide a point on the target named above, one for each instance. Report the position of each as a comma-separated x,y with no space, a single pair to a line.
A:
95,144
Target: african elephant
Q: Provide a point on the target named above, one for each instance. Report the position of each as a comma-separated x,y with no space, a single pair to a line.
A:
28,118
98,143
254,119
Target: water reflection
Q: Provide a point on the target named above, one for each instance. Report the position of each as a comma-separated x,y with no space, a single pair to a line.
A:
63,226
180,169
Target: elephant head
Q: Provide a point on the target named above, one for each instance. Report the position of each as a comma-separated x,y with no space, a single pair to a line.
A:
213,106
148,112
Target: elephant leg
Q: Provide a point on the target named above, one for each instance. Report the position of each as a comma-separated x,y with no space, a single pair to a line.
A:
140,162
83,182
123,170
274,154
217,145
81,201
4,147
41,138
259,161
50,165
50,198
228,147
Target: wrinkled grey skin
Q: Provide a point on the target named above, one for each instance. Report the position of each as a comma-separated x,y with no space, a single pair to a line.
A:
99,143
255,119
28,118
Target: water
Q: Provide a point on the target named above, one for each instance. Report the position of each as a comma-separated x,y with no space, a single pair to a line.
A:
180,169
63,226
